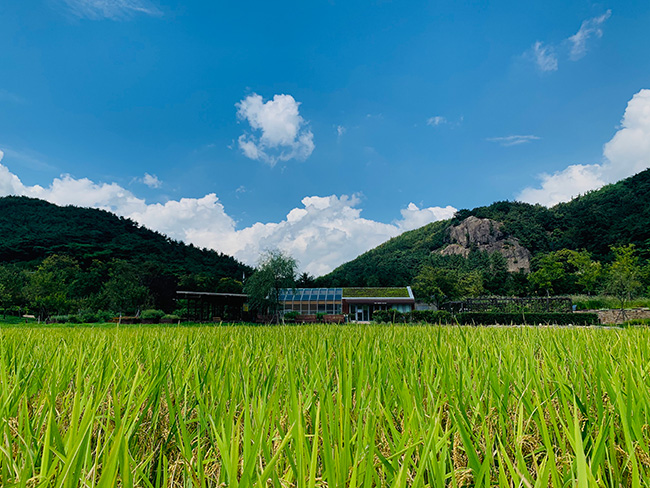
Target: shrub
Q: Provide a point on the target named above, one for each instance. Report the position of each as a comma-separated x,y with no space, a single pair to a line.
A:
637,322
485,318
293,315
390,316
554,318
172,317
105,316
89,318
152,315
432,316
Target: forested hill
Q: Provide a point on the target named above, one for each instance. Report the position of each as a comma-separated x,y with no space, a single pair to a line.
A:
617,214
33,229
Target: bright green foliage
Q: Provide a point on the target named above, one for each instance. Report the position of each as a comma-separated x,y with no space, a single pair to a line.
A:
274,272
624,274
588,272
550,274
325,406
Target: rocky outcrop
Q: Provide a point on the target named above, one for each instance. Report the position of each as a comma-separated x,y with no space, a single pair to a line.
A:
478,234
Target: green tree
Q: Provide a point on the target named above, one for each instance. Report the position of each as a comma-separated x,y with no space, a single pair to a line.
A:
587,271
438,285
275,271
305,280
623,276
12,282
124,292
49,289
549,274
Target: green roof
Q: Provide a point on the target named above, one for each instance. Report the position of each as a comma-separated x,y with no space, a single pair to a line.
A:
401,292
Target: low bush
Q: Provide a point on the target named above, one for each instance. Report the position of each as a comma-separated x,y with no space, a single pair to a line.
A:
554,318
637,322
171,317
152,315
390,316
484,318
599,302
89,318
432,316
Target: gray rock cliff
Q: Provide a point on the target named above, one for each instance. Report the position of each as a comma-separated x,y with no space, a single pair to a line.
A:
486,235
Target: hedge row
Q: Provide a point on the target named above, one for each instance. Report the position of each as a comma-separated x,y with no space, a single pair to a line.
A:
485,318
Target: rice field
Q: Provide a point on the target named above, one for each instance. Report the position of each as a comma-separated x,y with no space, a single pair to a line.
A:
324,406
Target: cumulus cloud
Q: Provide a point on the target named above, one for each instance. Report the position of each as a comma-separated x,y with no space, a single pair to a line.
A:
626,154
279,133
589,28
513,140
151,181
321,233
414,217
545,57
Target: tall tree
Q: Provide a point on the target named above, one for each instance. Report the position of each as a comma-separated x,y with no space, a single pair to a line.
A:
275,271
623,276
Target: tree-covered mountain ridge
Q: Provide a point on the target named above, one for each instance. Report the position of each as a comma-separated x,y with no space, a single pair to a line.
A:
33,229
615,215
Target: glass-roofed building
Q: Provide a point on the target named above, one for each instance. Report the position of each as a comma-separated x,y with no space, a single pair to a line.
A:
357,303
310,301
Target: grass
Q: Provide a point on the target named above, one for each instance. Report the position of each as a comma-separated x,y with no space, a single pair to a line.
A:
395,292
324,406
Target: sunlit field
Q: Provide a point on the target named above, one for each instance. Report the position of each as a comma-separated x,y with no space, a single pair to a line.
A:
324,406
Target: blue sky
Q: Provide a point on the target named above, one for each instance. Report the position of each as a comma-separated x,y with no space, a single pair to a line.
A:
321,128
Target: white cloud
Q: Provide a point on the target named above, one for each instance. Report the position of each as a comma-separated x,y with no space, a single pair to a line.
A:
626,154
436,121
414,217
589,28
513,140
340,130
545,57
279,133
321,234
151,181
110,9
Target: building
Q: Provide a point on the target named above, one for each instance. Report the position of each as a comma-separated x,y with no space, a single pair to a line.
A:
357,303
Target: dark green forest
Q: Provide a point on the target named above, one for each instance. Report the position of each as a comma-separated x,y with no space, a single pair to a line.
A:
58,260
592,225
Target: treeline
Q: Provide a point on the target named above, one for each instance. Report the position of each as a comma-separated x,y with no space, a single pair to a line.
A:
69,260
563,272
61,285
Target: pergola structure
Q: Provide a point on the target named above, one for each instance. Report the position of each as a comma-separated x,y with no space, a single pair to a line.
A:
511,304
204,306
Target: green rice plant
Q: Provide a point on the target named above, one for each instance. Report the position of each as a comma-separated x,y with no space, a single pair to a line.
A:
317,406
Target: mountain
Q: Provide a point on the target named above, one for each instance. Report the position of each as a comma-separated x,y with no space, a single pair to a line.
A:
616,214
33,229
